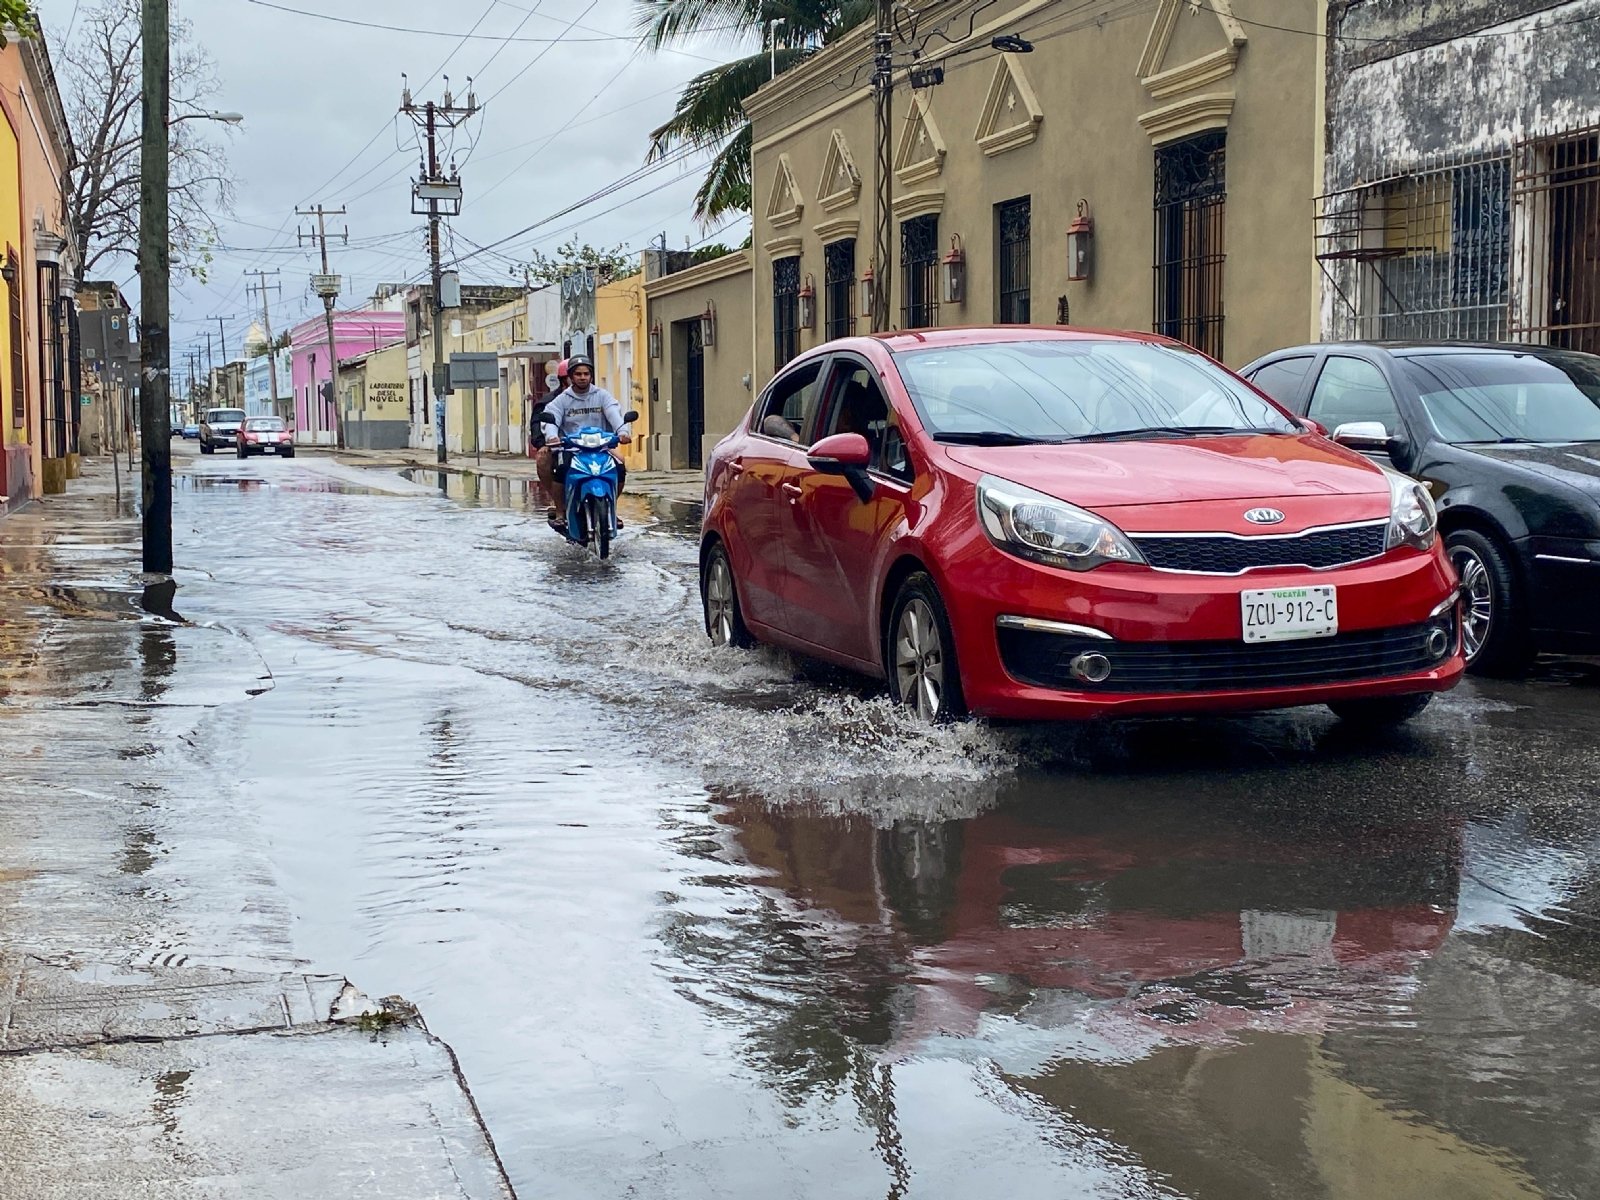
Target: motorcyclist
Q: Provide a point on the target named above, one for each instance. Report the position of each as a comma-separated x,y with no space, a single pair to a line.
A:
584,404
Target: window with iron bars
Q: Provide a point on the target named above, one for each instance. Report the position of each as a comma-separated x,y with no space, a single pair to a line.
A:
919,255
839,291
1446,239
1014,268
785,310
1556,200
1190,206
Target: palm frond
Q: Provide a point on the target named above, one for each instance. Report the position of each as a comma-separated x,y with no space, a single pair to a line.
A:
712,104
726,187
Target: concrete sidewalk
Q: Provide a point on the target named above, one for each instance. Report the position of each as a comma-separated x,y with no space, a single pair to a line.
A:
158,1036
686,486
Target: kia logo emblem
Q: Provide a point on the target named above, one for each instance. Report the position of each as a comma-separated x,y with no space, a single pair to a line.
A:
1263,516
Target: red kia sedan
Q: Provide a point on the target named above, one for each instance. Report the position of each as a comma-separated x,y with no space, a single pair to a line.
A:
1038,523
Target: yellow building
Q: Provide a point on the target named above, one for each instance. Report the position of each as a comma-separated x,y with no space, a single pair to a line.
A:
372,399
621,342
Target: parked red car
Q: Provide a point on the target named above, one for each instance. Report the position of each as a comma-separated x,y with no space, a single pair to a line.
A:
1037,523
265,435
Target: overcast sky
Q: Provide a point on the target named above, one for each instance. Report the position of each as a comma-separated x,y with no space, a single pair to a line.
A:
315,92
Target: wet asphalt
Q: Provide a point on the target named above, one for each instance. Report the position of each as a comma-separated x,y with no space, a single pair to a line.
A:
702,923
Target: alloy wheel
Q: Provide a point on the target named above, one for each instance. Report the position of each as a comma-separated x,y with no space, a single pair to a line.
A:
1478,591
719,602
919,660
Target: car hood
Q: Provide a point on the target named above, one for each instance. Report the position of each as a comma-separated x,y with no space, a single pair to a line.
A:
1118,474
1576,464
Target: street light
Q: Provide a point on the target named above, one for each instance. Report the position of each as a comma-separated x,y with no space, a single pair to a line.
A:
227,118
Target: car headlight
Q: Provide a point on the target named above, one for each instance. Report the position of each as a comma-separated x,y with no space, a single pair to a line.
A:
1413,519
1034,526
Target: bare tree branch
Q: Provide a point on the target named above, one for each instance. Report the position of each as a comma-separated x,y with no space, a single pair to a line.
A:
100,83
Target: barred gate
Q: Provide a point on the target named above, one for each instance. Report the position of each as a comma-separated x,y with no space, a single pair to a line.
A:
1556,254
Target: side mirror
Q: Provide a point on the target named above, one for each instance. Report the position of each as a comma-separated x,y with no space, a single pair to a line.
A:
846,454
838,454
1368,437
629,417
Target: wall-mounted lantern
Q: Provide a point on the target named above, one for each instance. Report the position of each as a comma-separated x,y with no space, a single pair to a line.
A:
1080,244
8,272
808,305
655,339
708,325
953,272
869,292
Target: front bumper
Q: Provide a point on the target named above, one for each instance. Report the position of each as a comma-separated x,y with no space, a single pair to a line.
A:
1175,642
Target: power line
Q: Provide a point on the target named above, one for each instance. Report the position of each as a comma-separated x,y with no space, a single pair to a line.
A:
448,33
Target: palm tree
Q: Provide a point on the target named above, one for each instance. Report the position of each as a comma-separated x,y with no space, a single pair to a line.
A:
710,112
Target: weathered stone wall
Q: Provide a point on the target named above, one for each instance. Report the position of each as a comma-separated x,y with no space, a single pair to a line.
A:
1412,81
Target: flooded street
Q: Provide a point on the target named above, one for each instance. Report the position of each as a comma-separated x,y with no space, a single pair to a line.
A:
710,924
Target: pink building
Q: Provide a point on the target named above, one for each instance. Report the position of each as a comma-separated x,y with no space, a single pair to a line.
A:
353,333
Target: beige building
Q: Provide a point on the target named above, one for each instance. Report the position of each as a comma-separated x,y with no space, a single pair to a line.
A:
1187,133
699,341
372,399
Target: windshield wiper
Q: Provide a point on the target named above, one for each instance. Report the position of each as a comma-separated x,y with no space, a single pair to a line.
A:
985,437
1505,441
1170,431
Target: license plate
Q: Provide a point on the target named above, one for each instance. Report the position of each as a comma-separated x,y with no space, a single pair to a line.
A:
1287,614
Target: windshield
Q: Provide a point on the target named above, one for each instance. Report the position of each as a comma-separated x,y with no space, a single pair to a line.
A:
224,414
1477,398
264,425
1059,390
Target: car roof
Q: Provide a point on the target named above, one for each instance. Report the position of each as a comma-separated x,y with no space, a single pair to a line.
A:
898,341
1418,349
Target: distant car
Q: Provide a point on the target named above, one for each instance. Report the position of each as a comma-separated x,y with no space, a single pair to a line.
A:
191,431
265,435
219,429
1035,523
1507,439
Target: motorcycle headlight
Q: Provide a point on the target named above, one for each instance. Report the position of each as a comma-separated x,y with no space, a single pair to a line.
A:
1413,519
592,441
1043,529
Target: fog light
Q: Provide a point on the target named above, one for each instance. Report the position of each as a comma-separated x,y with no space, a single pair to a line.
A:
1091,668
1438,642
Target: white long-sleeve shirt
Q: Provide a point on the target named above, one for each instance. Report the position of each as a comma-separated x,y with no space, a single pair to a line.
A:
595,408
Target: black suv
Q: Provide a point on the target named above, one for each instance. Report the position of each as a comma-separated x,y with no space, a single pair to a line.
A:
1507,438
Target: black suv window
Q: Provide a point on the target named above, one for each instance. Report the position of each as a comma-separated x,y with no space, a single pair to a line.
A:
790,404
1350,390
1282,379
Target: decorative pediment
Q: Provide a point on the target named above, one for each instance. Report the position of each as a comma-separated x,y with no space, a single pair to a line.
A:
840,185
920,154
784,206
1011,112
1204,53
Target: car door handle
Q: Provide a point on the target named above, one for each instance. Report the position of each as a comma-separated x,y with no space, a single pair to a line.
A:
794,491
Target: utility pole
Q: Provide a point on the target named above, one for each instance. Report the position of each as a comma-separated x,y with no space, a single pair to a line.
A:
883,156
442,194
210,365
266,325
155,418
222,333
326,285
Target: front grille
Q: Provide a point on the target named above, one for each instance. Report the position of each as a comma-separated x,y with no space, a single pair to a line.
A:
1219,554
1045,659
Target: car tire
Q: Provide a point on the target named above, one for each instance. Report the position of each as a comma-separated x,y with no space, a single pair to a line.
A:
1383,712
920,653
288,453
719,602
1494,627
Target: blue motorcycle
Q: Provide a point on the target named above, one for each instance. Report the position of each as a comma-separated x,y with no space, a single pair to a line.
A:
592,482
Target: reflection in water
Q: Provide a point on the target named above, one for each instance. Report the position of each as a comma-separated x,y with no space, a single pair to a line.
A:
1167,976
